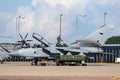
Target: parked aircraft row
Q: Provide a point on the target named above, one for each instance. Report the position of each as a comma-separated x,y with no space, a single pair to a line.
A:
91,44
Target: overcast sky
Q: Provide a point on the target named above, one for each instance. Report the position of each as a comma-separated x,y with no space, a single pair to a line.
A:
43,17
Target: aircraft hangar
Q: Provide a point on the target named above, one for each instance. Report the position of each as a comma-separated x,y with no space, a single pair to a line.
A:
111,52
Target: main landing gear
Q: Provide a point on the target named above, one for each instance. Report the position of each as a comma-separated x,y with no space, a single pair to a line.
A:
35,62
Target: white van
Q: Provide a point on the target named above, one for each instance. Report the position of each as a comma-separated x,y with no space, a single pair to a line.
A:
117,60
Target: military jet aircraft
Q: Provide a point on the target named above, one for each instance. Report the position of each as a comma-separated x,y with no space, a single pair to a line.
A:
3,57
91,44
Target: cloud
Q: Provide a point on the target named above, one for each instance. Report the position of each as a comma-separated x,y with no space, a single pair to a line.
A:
5,16
43,17
28,22
53,3
108,2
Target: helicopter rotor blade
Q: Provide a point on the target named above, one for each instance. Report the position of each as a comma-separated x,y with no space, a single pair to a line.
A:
26,36
21,36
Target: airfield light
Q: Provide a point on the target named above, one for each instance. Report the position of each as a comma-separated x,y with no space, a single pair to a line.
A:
20,17
105,18
18,24
77,20
60,23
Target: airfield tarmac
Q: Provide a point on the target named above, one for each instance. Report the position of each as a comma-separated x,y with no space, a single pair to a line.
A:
24,71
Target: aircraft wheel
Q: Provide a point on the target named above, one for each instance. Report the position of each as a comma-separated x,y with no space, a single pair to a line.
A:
84,64
31,64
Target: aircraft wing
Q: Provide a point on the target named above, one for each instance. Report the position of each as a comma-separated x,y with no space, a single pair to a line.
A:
69,49
85,43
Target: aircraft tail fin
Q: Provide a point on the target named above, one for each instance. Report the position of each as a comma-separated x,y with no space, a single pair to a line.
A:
5,49
100,35
97,38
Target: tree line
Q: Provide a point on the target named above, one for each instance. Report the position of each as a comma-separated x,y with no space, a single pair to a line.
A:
113,40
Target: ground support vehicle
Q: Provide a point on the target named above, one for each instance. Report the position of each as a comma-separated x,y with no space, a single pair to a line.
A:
70,60
117,60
